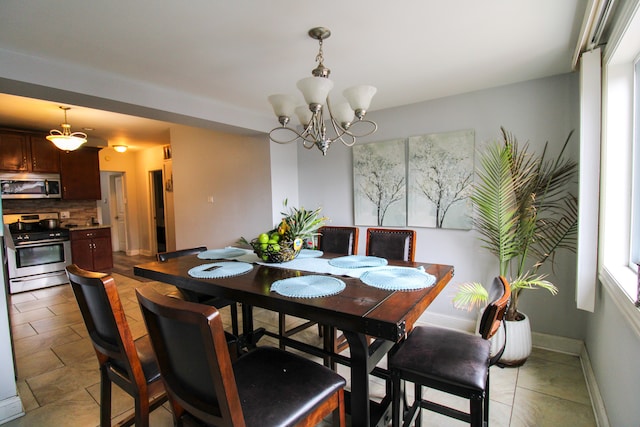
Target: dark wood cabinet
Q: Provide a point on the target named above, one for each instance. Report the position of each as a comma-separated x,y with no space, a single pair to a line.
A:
80,174
27,152
45,157
14,151
91,249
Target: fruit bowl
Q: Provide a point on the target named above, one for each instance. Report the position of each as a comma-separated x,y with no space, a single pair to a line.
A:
283,251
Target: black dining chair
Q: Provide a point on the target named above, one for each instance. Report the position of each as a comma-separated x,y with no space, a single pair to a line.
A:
124,361
332,239
392,243
264,387
192,296
451,361
338,239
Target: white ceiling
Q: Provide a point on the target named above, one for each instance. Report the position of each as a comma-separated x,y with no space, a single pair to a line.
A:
233,54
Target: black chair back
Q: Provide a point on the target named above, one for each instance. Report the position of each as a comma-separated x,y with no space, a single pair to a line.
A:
338,240
124,361
204,383
391,243
193,357
164,256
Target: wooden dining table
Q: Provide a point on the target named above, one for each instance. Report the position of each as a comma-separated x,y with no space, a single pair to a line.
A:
362,312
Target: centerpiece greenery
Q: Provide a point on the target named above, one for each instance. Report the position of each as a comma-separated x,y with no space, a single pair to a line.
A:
525,212
283,243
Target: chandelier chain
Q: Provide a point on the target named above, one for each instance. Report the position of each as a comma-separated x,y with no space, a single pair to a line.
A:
319,56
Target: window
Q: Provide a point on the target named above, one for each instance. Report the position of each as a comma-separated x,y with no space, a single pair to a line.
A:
620,195
635,209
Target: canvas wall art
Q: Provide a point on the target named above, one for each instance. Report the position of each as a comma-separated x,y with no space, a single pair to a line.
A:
440,177
379,183
420,181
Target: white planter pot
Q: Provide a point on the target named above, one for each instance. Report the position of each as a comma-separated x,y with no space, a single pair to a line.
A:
518,348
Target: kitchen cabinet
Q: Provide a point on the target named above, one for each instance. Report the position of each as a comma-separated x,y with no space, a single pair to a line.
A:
22,151
80,174
91,249
45,157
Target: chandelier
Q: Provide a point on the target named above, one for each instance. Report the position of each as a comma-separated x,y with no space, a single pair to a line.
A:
343,118
66,140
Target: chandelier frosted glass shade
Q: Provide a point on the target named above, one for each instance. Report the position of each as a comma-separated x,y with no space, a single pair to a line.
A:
359,97
66,140
345,122
315,89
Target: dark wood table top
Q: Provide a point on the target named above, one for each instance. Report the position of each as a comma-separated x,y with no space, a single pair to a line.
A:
358,308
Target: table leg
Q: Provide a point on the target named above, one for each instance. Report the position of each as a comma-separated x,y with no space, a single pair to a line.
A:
249,337
359,349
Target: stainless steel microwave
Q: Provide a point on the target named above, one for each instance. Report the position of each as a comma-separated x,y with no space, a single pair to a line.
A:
30,186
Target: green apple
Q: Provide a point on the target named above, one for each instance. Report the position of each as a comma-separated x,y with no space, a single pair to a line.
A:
263,238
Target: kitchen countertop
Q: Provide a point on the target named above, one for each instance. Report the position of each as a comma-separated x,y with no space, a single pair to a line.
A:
86,227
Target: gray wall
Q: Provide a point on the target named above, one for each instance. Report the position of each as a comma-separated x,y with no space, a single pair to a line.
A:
536,111
613,348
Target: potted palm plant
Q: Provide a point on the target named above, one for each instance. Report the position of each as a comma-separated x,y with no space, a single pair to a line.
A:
524,212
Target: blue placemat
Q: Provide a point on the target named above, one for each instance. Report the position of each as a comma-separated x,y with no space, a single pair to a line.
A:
312,286
221,269
221,253
398,279
357,261
310,253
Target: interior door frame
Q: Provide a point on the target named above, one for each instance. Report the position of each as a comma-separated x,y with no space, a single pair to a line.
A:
153,241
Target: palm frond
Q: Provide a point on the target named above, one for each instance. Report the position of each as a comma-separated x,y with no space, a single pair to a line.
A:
494,198
532,282
470,295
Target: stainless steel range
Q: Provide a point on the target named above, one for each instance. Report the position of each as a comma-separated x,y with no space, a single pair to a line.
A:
38,251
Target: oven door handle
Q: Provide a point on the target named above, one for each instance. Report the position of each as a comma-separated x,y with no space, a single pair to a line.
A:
40,243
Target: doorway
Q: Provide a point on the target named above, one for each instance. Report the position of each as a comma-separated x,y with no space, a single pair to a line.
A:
118,212
159,222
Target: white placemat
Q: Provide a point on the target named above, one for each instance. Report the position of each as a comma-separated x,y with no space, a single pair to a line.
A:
310,253
308,286
226,253
221,269
398,279
357,261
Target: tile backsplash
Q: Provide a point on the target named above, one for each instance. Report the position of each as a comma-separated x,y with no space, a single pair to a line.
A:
80,211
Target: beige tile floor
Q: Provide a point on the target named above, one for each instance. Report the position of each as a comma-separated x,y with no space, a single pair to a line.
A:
58,378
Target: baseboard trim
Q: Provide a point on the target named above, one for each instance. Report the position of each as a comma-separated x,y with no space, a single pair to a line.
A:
10,409
602,420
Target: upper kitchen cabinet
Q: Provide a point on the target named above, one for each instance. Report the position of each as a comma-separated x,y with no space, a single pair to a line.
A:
80,174
45,157
27,152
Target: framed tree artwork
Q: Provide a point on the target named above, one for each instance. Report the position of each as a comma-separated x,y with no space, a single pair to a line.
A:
379,183
439,175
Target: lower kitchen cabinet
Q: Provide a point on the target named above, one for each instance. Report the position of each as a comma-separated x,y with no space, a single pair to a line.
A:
91,249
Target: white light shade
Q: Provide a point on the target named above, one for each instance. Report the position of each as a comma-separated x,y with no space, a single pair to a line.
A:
315,89
342,113
304,115
120,148
66,142
359,97
283,104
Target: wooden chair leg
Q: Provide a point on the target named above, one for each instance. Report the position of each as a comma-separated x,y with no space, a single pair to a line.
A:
234,319
105,398
417,391
475,409
486,403
395,394
142,411
282,328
